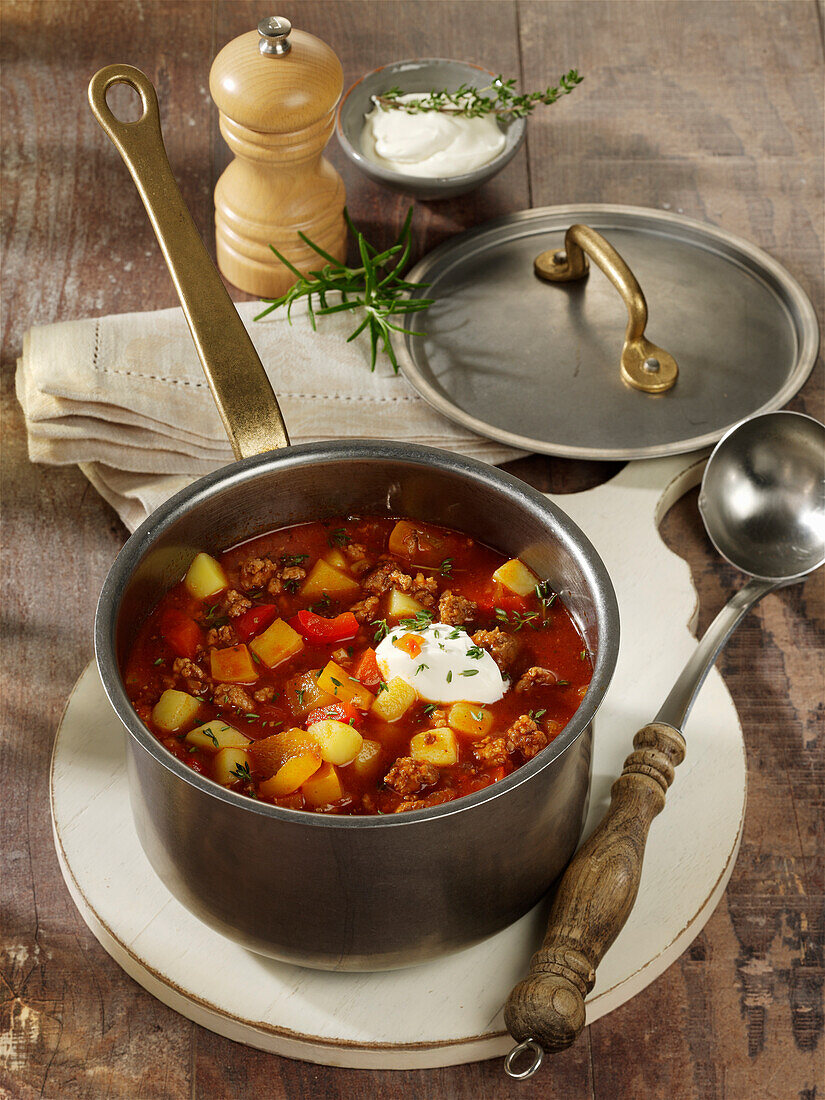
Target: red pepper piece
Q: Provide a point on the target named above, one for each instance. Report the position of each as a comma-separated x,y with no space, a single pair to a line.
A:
315,628
181,633
255,621
338,712
367,670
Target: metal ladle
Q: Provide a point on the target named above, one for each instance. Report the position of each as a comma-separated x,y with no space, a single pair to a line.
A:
763,504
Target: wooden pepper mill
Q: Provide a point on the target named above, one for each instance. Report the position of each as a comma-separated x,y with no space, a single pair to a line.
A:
276,90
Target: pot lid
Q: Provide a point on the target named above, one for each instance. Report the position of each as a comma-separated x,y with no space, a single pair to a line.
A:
529,344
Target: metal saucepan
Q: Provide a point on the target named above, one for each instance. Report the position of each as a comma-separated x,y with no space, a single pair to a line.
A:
348,893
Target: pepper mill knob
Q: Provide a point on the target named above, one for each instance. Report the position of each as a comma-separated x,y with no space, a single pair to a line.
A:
276,90
274,32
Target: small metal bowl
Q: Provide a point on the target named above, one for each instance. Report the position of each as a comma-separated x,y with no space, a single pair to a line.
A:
419,75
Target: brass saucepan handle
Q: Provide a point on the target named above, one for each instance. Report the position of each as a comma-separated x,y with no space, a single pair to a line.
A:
644,365
236,376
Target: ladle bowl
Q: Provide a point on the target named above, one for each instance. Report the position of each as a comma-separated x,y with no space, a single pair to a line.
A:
763,496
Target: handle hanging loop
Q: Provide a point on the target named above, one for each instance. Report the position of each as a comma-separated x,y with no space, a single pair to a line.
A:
537,1057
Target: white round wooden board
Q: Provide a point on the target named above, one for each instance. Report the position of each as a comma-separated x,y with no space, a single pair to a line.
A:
448,1011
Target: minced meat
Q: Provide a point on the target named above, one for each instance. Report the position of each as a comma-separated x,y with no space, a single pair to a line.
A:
408,776
502,647
491,752
221,635
455,610
235,603
536,677
525,736
230,695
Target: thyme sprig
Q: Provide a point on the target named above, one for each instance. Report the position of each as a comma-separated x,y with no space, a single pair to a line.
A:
376,288
471,102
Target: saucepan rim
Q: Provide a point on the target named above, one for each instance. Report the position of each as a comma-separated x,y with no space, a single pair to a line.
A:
236,473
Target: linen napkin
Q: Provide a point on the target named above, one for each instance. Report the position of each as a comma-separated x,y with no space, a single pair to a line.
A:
125,398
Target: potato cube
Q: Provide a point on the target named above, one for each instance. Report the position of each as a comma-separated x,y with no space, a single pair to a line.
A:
216,735
323,787
438,746
368,762
302,693
413,541
402,606
277,644
233,665
394,702
174,710
270,753
290,776
470,719
336,559
515,575
325,578
230,765
343,686
205,577
339,742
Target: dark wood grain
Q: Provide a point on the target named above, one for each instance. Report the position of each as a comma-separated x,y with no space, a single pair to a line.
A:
712,108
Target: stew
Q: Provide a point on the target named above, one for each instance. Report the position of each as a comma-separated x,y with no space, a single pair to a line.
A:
357,666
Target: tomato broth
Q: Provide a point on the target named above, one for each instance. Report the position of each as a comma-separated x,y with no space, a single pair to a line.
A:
265,668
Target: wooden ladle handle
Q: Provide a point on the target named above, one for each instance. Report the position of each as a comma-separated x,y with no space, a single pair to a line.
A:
594,897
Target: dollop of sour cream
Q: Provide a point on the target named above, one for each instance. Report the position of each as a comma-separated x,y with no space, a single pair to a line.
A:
430,144
447,668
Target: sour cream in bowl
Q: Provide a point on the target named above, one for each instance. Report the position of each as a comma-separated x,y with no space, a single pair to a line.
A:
429,144
426,155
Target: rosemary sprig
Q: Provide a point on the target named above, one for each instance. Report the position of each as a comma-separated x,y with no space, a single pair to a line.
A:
376,288
471,102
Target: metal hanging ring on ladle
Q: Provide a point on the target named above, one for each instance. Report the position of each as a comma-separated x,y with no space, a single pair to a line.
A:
644,365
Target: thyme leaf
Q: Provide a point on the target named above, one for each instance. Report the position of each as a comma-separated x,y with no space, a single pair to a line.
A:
420,621
470,102
517,619
293,559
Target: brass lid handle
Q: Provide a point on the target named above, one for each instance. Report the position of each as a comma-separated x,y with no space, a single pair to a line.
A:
236,376
644,365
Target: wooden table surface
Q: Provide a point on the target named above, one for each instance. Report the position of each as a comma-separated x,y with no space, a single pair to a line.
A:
709,108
